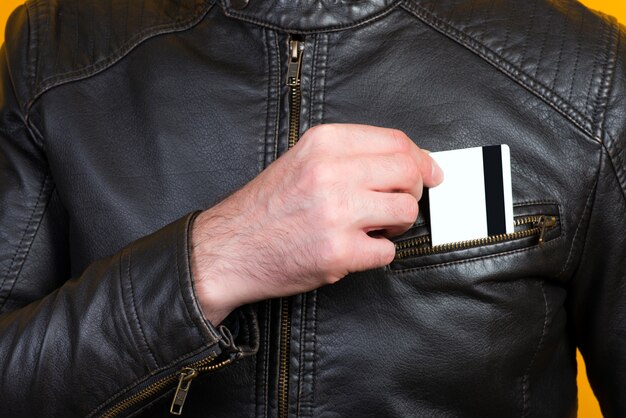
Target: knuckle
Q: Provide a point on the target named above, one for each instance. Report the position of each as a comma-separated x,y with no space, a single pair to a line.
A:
331,278
316,174
405,208
313,131
388,255
409,167
419,187
323,172
329,216
381,254
320,133
332,253
400,140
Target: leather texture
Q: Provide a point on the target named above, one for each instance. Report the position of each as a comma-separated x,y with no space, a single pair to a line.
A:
119,120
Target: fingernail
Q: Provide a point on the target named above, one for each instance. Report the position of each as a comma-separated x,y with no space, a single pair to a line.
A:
437,172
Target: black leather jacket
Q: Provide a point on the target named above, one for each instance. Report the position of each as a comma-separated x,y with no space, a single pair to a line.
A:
120,119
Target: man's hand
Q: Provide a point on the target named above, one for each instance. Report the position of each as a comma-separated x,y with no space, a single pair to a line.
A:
309,219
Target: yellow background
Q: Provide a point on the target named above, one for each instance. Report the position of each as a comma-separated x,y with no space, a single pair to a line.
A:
588,407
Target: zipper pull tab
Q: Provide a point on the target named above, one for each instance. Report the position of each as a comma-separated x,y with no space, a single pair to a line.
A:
187,374
545,222
296,46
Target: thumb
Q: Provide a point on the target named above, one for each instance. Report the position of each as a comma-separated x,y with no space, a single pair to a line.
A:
432,174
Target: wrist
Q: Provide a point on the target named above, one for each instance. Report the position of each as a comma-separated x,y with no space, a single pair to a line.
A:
210,280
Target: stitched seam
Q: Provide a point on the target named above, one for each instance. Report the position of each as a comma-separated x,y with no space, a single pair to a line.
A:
313,362
557,102
268,98
579,47
118,54
323,80
618,169
544,42
33,62
588,207
355,24
302,350
266,355
134,309
596,63
26,242
478,258
263,151
535,203
314,357
142,379
41,13
277,121
313,84
601,102
560,57
125,303
316,55
507,36
255,360
531,18
525,379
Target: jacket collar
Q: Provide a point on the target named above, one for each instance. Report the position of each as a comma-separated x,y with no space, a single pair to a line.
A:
307,16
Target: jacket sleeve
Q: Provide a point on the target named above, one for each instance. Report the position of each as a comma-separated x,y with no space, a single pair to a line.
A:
598,294
76,347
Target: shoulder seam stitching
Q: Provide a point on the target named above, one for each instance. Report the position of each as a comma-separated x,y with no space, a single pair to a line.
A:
33,33
605,87
117,55
514,72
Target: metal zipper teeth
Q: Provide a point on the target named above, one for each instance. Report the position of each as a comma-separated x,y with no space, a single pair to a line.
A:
294,115
203,365
424,239
415,247
293,81
283,376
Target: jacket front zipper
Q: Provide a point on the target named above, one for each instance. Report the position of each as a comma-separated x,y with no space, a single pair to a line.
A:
535,226
294,68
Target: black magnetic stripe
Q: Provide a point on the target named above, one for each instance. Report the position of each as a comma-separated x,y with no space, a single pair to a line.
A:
494,189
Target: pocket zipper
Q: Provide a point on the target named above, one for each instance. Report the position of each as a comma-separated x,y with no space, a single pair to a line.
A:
421,245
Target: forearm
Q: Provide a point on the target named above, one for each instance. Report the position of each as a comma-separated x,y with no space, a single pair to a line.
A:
127,318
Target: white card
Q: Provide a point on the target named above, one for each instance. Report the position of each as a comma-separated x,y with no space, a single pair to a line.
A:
475,199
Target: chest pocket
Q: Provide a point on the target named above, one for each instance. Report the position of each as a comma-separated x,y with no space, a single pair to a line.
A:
536,225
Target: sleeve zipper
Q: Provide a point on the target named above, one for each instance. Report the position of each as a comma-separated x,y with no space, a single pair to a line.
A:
184,376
